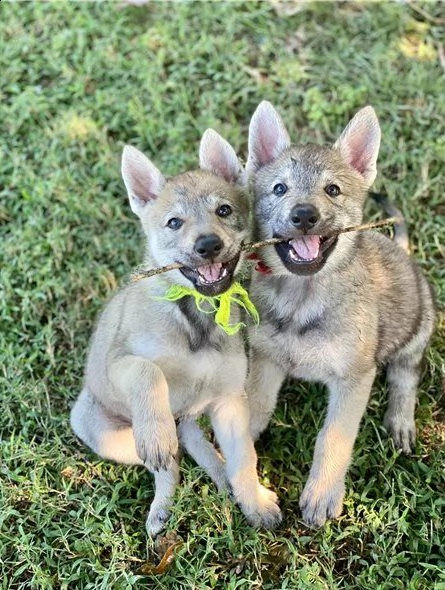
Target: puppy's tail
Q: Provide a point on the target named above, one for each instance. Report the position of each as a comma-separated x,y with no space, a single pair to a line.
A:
401,237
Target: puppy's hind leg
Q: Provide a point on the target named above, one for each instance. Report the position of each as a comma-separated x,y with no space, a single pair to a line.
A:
403,374
106,435
144,387
203,452
403,379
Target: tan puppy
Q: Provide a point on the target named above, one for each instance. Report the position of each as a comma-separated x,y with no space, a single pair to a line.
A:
153,361
333,309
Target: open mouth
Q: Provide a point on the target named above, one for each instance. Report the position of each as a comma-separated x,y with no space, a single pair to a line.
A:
212,279
305,255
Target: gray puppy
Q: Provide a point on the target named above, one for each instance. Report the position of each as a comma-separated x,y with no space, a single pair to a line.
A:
333,309
153,361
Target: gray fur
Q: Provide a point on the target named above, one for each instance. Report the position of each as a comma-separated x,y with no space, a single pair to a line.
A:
153,362
368,306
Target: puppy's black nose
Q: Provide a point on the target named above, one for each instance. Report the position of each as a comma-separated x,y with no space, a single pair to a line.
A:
304,216
209,246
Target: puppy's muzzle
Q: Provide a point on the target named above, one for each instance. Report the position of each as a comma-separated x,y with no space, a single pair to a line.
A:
304,216
208,246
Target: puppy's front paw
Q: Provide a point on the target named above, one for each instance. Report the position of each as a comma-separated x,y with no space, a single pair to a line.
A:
157,446
156,519
402,431
265,512
318,502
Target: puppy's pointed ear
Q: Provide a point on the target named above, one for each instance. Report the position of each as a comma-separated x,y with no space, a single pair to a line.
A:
267,137
360,142
142,179
217,156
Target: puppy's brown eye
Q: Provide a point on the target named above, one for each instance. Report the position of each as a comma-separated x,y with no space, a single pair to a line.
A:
332,190
174,223
279,189
224,211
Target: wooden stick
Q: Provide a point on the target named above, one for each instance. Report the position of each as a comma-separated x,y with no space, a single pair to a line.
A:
372,225
145,274
249,246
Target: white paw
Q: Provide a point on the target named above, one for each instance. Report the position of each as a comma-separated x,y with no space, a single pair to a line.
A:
265,512
156,519
318,502
157,445
402,431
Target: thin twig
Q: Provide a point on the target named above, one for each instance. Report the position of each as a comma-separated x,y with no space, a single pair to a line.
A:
371,225
145,274
249,246
272,241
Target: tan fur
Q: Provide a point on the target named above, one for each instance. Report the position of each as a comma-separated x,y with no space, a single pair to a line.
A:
153,362
367,305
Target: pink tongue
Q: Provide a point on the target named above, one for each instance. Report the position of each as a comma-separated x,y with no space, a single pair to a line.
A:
210,272
306,247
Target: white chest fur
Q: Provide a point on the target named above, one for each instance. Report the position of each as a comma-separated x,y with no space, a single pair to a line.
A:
195,379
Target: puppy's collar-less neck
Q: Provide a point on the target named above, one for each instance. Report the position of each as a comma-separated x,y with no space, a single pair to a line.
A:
219,304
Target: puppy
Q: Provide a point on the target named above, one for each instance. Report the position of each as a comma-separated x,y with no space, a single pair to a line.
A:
333,309
153,362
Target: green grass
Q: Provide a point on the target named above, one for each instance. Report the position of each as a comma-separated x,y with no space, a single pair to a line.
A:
77,81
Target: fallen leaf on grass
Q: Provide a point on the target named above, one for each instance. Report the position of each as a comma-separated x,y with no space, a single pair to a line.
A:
166,545
67,472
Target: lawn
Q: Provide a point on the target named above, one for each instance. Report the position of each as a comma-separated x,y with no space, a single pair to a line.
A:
77,82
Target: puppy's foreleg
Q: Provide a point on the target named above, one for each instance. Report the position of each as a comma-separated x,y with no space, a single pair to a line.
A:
143,388
263,385
230,419
203,452
323,493
166,481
